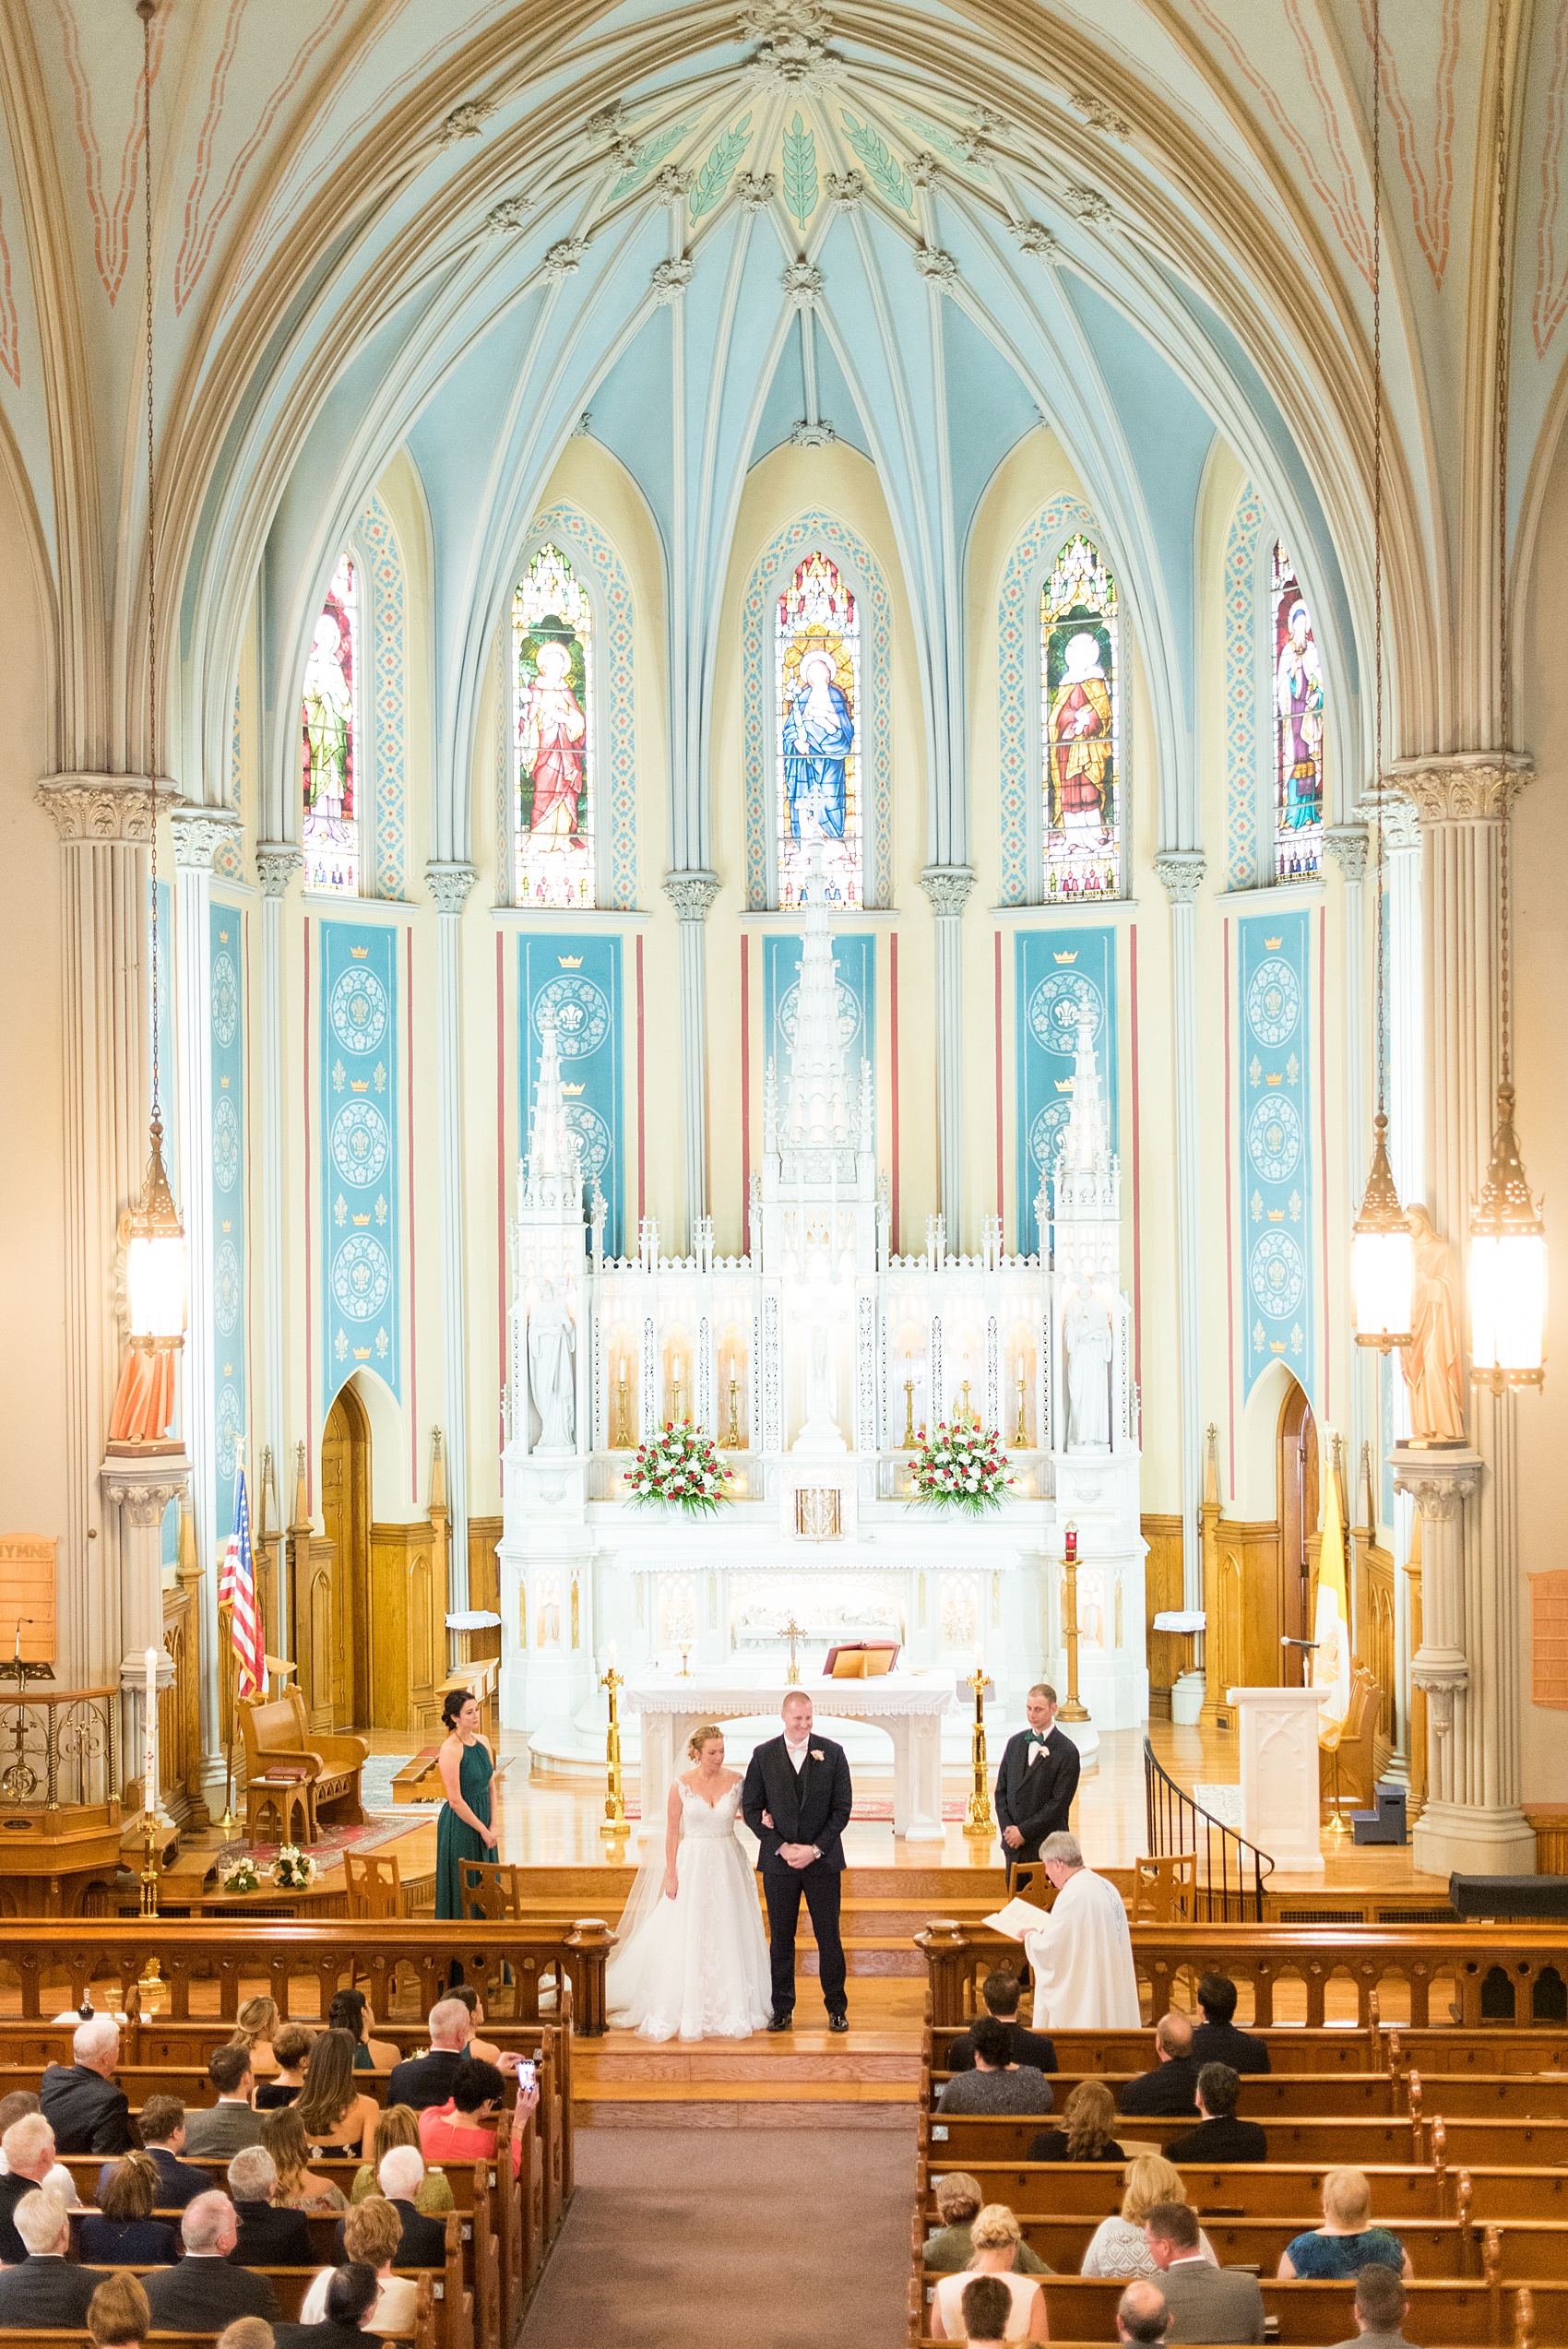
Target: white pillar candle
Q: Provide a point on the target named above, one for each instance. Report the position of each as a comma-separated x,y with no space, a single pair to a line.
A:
149,1739
611,1655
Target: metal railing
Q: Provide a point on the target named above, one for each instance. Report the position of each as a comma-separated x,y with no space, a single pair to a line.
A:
1231,1871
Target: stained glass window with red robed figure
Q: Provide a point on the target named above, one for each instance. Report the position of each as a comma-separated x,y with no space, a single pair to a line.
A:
552,685
328,742
1080,718
818,676
1298,730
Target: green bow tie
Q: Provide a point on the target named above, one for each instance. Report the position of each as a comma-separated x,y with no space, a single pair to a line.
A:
1038,1737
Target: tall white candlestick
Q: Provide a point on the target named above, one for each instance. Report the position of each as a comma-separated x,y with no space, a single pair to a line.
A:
150,1740
611,1655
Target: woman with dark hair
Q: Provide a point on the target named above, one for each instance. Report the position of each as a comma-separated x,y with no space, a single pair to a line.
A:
291,2043
117,2315
351,2011
333,2114
126,2234
463,1830
1084,2134
463,2128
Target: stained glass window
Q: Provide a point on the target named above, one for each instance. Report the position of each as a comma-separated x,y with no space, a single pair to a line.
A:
1080,702
817,677
552,686
1298,730
329,742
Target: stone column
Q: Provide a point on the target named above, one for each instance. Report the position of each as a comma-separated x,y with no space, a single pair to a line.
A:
692,894
137,1491
948,887
1462,803
449,885
1346,844
277,862
104,823
200,833
1440,1484
1406,1151
1181,874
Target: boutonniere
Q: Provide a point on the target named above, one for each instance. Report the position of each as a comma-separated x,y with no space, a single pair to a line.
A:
816,1753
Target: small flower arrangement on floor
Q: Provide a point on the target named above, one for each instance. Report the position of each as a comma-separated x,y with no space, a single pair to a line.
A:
680,1464
961,1466
240,1876
293,1869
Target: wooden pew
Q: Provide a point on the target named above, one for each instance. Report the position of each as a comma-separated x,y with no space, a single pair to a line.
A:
957,2140
1336,2048
1093,2190
1290,2094
1444,2315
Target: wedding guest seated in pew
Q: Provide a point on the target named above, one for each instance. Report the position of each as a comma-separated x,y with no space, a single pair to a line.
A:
427,2078
255,2027
82,2102
247,2332
125,2233
1172,2086
423,2243
1206,2302
19,2106
299,2186
996,2084
163,2137
1379,2310
399,2125
215,2131
117,2315
463,2128
351,2011
1347,2242
204,2290
28,2146
1119,2246
1217,2039
292,2044
268,2237
350,2296
949,2247
1087,2119
985,2306
1141,2313
475,2005
336,2116
47,2289
1001,1993
372,2233
1219,2137
995,2237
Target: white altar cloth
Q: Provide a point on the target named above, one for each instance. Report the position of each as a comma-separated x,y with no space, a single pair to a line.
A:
908,1706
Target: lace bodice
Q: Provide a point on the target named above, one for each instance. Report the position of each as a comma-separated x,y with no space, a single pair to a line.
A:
701,1821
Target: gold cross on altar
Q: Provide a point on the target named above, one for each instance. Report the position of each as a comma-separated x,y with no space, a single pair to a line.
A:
793,1633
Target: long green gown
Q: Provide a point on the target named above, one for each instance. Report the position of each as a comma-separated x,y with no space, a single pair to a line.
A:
455,1839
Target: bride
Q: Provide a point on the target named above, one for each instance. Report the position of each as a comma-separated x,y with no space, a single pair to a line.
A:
691,1962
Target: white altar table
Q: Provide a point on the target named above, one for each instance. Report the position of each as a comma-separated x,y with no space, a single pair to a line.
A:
908,1706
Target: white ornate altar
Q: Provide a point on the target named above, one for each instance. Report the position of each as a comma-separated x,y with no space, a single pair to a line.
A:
810,1361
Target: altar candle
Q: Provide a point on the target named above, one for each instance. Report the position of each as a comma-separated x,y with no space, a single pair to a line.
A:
149,1723
611,1655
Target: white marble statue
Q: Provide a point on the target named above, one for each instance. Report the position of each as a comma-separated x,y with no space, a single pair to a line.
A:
551,1374
1086,1330
1433,1363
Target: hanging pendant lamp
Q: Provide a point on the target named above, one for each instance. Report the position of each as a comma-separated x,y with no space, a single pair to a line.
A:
155,1238
1508,1265
1382,1253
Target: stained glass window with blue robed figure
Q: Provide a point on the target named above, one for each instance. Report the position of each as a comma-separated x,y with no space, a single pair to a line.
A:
328,743
817,659
1298,730
1080,716
552,735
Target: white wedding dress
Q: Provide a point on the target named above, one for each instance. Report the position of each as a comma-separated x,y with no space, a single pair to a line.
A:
695,1967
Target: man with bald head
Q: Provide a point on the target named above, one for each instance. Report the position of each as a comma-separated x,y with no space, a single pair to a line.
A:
423,2080
82,2102
1141,2313
796,1800
1172,2085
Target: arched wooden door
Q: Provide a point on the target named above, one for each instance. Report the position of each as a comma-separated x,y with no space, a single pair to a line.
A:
345,1516
1298,1493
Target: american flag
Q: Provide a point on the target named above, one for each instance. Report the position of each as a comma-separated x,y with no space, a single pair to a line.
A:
237,1586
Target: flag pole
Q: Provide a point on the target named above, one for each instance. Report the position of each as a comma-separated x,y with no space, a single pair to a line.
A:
228,1823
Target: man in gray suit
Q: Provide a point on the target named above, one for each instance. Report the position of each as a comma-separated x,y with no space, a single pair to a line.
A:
1205,2303
223,2129
1379,2310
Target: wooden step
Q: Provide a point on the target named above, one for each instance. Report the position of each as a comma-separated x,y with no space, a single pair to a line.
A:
799,2109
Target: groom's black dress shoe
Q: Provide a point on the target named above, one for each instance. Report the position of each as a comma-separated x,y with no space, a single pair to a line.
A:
781,2022
838,2022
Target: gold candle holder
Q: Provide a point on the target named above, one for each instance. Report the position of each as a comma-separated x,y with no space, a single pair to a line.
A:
1072,1709
792,1631
909,1405
622,1442
1021,1432
732,1432
613,1827
978,1820
685,1648
149,1872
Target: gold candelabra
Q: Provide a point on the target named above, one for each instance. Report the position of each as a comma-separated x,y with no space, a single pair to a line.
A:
149,1873
977,1821
1021,1432
909,1405
968,1407
675,1411
792,1631
623,1442
613,1827
732,1432
1072,1709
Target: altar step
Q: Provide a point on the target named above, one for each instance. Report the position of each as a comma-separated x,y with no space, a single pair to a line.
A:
808,2077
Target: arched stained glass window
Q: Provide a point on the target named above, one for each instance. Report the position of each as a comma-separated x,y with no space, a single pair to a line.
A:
328,731
553,690
1298,729
1080,697
817,677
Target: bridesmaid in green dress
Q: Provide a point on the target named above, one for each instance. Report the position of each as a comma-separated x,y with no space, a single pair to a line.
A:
463,1831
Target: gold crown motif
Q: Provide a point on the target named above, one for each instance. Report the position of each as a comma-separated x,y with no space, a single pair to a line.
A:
1064,1085
225,1227
1274,945
573,1089
362,1083
570,962
361,1353
223,1083
359,953
223,938
1277,1215
1070,956
228,1370
359,1222
1276,1346
1274,1077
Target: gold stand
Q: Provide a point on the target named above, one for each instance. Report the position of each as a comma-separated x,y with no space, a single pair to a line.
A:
978,1820
793,1633
621,1442
685,1648
1338,1825
1072,1709
151,1990
1021,1432
909,1444
613,1827
149,1873
732,1432
228,1823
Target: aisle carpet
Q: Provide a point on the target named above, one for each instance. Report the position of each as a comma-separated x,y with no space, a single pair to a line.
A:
738,2238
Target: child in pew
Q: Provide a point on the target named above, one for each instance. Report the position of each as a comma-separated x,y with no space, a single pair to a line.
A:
299,2186
399,2125
372,2233
117,2315
124,2232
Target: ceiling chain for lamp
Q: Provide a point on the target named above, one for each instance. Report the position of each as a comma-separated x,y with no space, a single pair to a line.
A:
155,1254
1508,1265
1381,1256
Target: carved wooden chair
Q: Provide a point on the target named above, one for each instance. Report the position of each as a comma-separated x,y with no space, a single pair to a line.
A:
376,1887
1165,1890
1351,1745
278,1742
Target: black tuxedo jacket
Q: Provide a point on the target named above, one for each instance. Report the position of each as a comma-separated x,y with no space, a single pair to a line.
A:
42,2294
1037,1801
271,2238
88,2112
205,2294
811,1805
423,2080
1226,2139
1223,2043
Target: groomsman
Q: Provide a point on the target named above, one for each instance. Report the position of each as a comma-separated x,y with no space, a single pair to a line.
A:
1036,1781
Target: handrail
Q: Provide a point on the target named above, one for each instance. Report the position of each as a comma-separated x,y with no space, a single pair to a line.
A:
1230,1871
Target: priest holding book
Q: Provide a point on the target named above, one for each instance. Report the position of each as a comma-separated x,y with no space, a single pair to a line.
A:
1080,1951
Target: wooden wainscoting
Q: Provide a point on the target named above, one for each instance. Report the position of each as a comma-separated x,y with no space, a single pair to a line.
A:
1242,1601
1549,1823
484,1581
179,1705
1162,1592
408,1627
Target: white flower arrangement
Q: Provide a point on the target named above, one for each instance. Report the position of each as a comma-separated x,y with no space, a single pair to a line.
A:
240,1876
961,1466
293,1869
677,1463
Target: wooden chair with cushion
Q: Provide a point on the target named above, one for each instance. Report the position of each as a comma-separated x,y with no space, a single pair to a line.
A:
1352,1744
278,1742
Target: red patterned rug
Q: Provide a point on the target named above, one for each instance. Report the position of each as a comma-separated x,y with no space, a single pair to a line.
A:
335,1841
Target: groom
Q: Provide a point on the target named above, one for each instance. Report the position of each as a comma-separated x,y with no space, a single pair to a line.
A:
803,1784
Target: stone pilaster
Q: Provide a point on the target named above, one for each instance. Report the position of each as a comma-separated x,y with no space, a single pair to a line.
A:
948,887
1180,874
1346,844
277,863
1406,1151
137,1493
692,894
449,885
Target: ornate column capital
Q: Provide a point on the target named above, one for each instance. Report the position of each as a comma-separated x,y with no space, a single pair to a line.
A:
691,893
200,832
277,862
1400,825
449,883
142,1489
1438,1482
948,887
1462,787
102,811
1346,844
1179,873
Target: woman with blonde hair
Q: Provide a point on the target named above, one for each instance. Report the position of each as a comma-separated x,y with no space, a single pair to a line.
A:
1084,2133
372,2233
118,2316
399,2125
1117,2247
299,2188
994,2239
1347,2242
253,2027
333,2112
958,2199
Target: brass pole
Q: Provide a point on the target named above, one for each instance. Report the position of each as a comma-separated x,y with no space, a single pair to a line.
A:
1072,1709
977,1820
613,1827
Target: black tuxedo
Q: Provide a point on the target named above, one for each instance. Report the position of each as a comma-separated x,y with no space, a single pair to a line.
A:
1223,2043
271,2238
1036,1799
88,2112
205,2294
809,1805
423,2081
43,2292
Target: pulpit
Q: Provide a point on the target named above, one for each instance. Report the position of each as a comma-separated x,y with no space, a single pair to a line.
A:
1279,1773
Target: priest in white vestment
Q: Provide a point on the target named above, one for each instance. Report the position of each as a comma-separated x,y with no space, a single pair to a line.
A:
1081,1953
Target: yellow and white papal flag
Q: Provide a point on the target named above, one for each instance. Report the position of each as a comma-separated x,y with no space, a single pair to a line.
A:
1331,1624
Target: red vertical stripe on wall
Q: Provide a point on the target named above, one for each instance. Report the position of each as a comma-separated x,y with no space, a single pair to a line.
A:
501,1159
1229,1236
1137,1165
413,1281
892,1087
1323,1128
745,1091
310,1290
1001,1185
642,1115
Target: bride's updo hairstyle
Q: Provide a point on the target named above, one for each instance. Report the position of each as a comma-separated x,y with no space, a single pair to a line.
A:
700,1737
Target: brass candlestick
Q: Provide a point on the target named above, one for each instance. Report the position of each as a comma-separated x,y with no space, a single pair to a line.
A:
613,1827
685,1648
622,1442
966,1408
676,1413
732,1432
792,1631
909,1407
1021,1432
149,1873
1072,1709
977,1820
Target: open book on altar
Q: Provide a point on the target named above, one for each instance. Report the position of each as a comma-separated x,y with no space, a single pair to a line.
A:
1017,1918
861,1660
